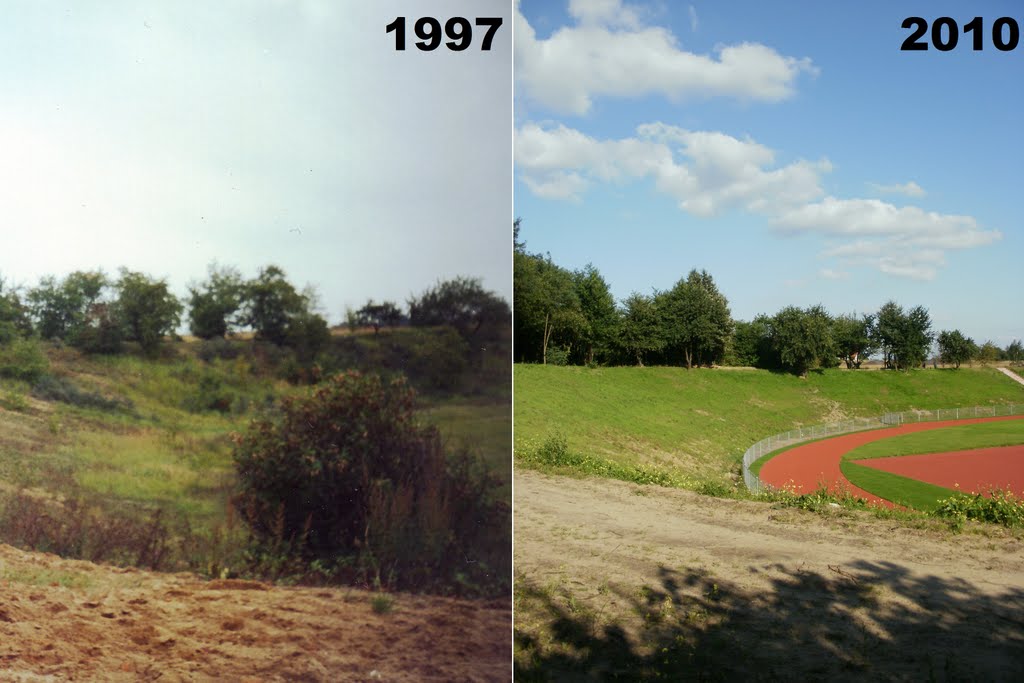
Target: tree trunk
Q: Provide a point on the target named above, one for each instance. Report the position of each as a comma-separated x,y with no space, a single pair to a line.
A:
689,358
547,335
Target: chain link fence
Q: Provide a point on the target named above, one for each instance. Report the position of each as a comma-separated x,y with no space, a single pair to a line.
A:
795,436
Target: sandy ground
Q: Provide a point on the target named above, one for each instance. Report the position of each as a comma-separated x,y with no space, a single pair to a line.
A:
619,581
69,620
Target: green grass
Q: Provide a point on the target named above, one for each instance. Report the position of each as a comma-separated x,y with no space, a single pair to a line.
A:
483,429
697,424
186,475
45,577
901,490
959,438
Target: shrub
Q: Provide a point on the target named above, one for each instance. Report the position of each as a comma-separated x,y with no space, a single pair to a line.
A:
219,347
211,394
52,388
80,528
437,360
22,359
14,401
346,477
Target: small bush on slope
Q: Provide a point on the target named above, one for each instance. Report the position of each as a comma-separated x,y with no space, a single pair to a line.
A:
347,482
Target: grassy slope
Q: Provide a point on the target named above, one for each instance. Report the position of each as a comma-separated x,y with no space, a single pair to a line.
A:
699,422
158,454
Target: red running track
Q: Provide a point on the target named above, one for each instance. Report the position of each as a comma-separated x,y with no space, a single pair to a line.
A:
979,470
805,468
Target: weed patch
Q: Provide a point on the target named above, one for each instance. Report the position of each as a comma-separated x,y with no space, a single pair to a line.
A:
54,388
999,507
554,454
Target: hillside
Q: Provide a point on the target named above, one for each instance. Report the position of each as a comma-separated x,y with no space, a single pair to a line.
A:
697,423
114,466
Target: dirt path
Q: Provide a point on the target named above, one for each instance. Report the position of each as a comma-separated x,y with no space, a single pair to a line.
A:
807,467
1015,377
618,579
69,620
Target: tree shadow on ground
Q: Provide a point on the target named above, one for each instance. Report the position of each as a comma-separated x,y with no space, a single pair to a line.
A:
866,620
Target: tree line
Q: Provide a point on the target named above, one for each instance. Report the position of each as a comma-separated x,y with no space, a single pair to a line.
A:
571,317
97,313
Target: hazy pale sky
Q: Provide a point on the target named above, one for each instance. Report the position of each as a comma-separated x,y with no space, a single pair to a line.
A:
162,136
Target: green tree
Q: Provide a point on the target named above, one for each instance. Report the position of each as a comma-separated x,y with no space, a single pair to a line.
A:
147,309
1015,351
904,337
101,331
855,338
461,303
955,348
597,307
269,304
987,352
14,315
60,309
639,328
307,334
385,314
546,303
695,319
214,303
752,344
917,338
802,338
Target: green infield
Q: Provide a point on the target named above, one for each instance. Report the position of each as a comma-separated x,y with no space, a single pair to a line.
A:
911,492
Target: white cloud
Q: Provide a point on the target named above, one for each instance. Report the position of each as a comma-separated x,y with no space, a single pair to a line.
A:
693,18
910,189
609,52
706,172
916,265
567,185
830,274
901,241
907,226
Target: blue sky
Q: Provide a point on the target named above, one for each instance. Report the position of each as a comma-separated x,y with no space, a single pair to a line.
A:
162,136
790,149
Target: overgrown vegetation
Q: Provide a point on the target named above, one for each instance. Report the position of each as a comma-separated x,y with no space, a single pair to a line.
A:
998,507
553,455
347,478
126,457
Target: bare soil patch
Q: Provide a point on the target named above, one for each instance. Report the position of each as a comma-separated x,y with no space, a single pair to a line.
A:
71,620
615,580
